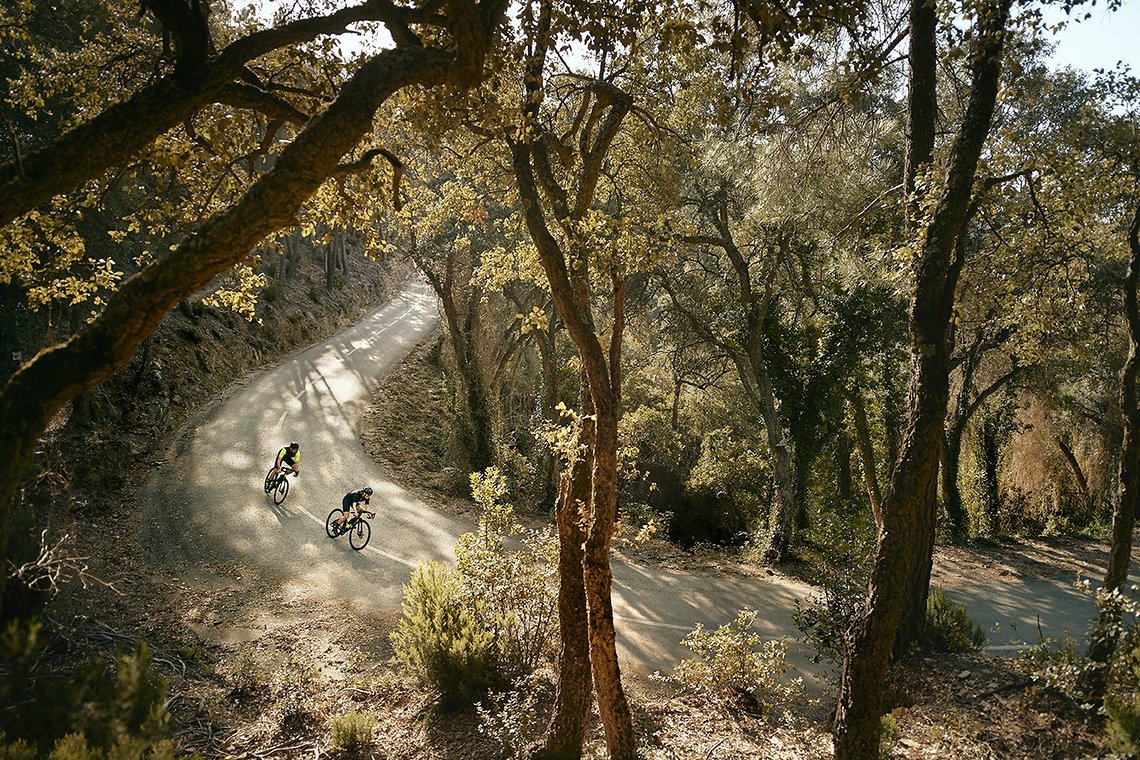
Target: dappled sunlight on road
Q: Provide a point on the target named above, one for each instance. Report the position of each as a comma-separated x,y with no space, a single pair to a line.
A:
316,397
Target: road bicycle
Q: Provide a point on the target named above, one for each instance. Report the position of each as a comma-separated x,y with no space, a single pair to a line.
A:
357,528
278,486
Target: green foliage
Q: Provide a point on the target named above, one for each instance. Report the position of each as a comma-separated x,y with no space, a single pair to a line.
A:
947,627
85,712
1122,695
888,734
841,573
352,733
1061,667
737,667
492,618
515,719
440,641
247,675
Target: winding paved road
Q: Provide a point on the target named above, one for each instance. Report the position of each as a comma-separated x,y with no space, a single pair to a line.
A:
317,397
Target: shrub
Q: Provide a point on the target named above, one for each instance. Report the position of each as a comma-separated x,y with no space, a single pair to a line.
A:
439,639
351,733
737,667
889,735
82,712
493,618
1122,696
514,719
294,685
947,627
247,676
841,576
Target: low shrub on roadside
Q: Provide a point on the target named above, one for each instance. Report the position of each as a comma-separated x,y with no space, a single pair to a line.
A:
947,627
736,667
493,618
351,733
440,641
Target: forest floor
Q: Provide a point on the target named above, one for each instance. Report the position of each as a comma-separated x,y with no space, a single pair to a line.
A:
258,666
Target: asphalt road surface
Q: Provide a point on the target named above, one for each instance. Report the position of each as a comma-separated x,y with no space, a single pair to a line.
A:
318,396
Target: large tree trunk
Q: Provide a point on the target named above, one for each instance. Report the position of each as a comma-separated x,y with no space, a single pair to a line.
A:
909,508
567,730
1127,506
570,293
53,377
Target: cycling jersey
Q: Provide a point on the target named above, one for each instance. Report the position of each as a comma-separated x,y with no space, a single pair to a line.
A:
350,498
287,456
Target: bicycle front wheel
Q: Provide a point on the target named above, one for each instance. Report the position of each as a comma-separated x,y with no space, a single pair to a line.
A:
361,532
330,522
282,490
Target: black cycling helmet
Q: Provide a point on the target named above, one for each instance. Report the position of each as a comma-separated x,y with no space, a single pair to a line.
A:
367,490
294,445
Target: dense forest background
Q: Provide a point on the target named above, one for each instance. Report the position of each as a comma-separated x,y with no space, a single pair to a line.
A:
822,282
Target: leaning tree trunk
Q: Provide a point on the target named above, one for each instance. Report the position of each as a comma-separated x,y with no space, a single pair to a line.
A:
910,505
1127,506
866,452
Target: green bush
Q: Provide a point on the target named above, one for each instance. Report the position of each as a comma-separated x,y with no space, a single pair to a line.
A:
947,627
440,639
1122,697
81,712
735,666
841,575
351,733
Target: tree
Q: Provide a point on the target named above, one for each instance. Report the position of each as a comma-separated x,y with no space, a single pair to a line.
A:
48,381
908,510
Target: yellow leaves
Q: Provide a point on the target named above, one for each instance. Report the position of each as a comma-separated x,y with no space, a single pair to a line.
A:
75,289
241,295
535,320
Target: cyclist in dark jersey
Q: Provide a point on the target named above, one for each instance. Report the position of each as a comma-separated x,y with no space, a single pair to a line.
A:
351,503
288,456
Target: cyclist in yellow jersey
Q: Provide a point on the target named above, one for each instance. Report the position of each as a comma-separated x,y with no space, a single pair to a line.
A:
289,456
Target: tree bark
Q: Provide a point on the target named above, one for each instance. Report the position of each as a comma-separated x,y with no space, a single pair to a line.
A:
567,730
909,507
1127,507
603,377
57,374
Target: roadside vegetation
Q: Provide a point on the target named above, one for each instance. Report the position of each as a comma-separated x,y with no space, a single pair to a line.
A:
821,287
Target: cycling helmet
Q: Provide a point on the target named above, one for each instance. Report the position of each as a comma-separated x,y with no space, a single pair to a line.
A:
294,445
367,490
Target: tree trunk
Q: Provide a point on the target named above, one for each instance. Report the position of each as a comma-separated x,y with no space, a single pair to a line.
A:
567,730
909,507
570,293
1127,507
1078,473
951,493
990,445
843,466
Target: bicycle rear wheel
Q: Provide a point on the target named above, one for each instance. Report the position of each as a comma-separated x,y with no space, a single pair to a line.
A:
269,480
282,489
360,533
330,522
